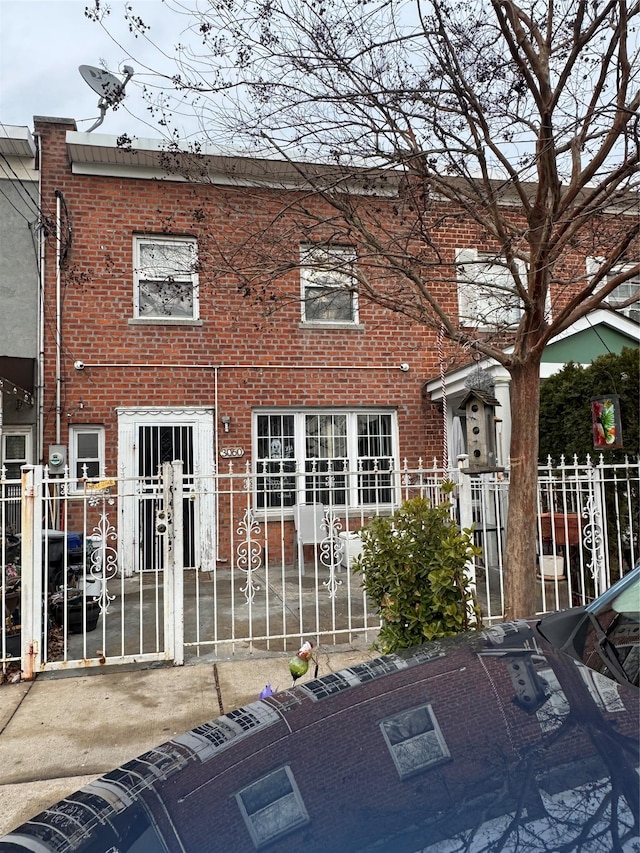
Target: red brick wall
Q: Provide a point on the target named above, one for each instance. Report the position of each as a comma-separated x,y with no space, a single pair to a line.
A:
346,367
307,366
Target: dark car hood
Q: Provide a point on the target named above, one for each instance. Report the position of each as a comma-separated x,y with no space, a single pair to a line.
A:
487,741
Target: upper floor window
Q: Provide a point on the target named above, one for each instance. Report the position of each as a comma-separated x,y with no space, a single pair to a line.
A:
486,290
86,452
333,457
328,282
622,292
166,280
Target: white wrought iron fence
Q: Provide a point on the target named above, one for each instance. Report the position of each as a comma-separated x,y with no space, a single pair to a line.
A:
589,515
119,569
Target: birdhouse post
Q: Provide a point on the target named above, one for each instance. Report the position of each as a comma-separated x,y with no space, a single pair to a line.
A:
479,407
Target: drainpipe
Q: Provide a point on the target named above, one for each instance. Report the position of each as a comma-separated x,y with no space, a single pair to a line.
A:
39,454
58,195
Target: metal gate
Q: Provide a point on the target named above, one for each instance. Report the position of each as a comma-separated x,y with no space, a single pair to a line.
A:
147,439
272,576
157,445
77,609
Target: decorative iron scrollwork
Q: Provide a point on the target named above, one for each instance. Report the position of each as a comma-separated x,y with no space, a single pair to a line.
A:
331,550
249,552
103,561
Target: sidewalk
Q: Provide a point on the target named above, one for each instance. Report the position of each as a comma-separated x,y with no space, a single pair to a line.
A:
59,732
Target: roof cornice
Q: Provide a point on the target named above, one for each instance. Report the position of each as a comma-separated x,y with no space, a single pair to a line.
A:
16,141
155,159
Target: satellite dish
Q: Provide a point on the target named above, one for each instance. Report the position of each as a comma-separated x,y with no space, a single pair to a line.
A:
110,89
105,84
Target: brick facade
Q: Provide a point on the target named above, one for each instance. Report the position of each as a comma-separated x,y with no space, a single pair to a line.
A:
262,360
248,350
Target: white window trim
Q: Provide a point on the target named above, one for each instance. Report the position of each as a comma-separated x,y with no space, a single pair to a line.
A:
74,430
9,431
464,258
593,266
300,455
346,254
168,320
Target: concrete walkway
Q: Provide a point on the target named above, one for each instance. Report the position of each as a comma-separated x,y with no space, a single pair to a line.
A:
59,732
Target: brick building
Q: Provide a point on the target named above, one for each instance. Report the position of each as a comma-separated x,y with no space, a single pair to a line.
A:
162,353
171,331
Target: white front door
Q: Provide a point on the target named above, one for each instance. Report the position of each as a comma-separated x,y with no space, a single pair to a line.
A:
147,438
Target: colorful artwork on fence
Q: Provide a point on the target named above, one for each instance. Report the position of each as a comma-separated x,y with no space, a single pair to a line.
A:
605,419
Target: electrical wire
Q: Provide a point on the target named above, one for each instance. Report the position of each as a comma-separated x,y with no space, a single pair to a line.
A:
17,181
17,209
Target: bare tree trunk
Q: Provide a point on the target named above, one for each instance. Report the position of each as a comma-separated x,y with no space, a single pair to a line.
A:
520,552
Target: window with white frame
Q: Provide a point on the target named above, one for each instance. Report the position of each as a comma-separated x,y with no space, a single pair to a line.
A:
486,290
333,457
16,451
622,292
166,280
272,806
328,282
414,740
86,452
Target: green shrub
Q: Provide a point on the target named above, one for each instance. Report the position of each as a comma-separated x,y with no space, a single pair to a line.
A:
413,568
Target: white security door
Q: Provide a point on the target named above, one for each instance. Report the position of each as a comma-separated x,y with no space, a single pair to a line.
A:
146,440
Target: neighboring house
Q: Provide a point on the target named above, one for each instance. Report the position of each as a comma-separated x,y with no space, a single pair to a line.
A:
19,298
597,334
153,352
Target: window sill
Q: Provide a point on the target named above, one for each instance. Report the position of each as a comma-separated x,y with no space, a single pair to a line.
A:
367,511
479,326
163,321
336,326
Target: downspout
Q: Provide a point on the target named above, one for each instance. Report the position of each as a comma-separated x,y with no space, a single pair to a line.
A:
41,270
58,195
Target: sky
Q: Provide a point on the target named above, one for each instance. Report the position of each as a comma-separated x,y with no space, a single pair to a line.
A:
42,43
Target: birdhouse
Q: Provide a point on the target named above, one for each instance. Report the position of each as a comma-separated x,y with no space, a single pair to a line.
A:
479,407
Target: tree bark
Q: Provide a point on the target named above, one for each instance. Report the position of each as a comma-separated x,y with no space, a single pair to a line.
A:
520,552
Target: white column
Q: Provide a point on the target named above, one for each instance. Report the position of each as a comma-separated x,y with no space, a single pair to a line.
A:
502,382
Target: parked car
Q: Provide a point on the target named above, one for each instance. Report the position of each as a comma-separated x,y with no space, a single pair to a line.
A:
604,635
495,740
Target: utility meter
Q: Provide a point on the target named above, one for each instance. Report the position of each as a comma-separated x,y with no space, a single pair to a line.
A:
57,458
